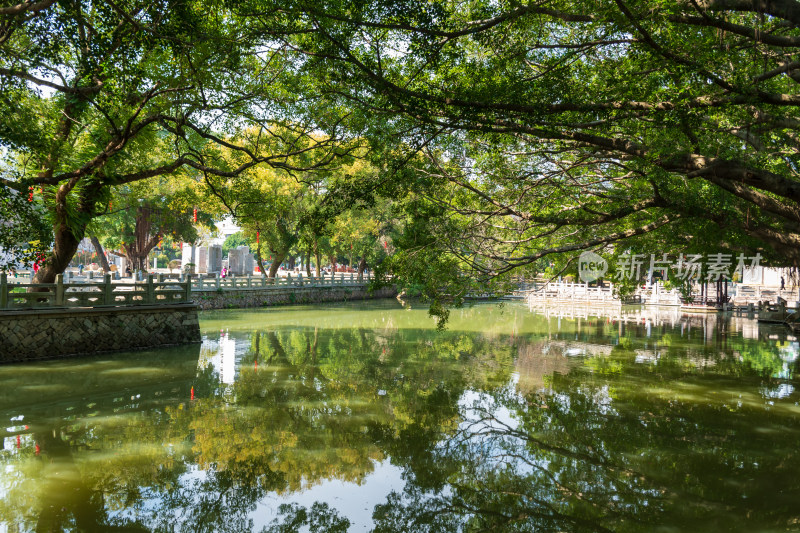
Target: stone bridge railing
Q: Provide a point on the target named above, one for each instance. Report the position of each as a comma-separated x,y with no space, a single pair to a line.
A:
154,290
260,282
92,293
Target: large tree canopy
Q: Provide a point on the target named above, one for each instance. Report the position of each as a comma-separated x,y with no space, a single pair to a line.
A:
96,95
559,125
520,130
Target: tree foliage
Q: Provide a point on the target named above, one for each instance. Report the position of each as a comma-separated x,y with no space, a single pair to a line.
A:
24,236
556,126
104,95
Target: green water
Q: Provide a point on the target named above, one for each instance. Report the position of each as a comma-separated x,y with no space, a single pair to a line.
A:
364,417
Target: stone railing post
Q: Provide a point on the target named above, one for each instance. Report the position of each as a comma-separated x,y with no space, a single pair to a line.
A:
300,279
288,279
217,278
108,290
187,289
59,290
151,290
3,290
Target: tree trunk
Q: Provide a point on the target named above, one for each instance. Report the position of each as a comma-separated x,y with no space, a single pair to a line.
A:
259,258
362,266
316,256
290,266
276,264
65,242
98,248
64,247
143,240
308,262
332,259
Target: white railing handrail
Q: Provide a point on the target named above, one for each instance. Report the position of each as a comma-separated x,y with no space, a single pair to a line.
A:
91,294
263,282
154,290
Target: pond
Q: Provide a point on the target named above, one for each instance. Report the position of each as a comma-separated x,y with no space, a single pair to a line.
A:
364,417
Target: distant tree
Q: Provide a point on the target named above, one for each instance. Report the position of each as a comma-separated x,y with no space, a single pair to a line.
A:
273,206
142,214
234,241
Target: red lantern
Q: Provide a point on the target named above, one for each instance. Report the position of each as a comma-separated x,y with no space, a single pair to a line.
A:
195,215
258,234
30,193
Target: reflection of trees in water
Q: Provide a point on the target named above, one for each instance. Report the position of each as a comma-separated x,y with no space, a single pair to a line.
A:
68,499
310,404
536,362
605,448
699,340
96,442
613,451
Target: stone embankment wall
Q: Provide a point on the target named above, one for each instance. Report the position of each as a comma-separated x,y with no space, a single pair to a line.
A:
266,297
46,334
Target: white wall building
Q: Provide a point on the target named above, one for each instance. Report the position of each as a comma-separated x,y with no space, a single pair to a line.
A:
225,229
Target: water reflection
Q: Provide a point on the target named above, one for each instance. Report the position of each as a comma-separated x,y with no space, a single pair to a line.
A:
507,421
